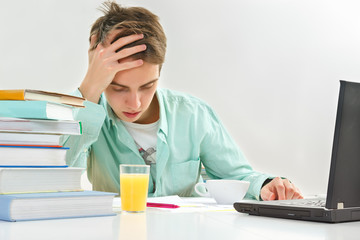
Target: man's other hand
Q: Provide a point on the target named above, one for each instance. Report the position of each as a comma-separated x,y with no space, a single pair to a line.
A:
280,189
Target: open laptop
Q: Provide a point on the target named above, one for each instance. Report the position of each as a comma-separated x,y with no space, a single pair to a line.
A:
342,202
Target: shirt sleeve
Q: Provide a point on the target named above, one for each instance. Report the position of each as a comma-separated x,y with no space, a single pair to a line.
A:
91,118
223,159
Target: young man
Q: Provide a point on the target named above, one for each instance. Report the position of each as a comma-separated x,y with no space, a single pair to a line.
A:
129,120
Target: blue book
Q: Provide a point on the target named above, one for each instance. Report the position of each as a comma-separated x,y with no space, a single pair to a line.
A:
40,206
36,110
32,156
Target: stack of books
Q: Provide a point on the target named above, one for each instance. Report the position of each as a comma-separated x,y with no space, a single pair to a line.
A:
35,182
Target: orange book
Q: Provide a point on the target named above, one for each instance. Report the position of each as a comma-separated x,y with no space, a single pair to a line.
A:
28,94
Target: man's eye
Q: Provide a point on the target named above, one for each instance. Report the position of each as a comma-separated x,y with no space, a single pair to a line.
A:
148,86
119,89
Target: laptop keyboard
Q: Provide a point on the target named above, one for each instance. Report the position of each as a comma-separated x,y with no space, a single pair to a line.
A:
306,203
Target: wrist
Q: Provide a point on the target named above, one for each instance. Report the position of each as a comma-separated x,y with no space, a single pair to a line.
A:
90,91
268,180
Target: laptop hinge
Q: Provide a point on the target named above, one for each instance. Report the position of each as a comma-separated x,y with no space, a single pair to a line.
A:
340,205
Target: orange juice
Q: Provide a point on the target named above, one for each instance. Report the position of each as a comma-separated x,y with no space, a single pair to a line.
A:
133,191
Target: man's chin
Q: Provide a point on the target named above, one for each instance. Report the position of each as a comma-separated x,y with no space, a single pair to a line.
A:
130,120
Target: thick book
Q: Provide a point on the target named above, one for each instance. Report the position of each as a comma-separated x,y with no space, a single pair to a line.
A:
32,156
32,180
36,110
39,206
13,138
40,126
29,94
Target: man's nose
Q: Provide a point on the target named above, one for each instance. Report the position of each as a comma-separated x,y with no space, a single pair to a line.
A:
133,101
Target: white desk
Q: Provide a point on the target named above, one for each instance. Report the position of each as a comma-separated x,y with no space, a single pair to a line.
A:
157,225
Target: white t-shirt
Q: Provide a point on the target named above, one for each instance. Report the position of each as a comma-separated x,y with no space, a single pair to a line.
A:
145,137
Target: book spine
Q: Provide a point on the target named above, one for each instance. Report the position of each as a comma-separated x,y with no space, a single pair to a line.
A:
30,166
32,146
23,109
12,95
5,203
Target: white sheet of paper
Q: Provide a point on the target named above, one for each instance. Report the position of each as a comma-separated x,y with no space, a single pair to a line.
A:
187,204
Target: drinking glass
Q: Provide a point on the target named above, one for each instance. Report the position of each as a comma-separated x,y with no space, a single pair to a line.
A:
134,184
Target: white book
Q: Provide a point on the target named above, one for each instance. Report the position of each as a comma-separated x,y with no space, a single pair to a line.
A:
32,156
31,180
29,139
40,126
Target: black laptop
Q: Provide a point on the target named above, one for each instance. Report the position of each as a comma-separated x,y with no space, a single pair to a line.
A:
342,202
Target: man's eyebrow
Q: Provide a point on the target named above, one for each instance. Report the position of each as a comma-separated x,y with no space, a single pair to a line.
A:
124,86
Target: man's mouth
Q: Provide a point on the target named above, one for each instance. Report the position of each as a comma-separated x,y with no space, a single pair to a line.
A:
131,115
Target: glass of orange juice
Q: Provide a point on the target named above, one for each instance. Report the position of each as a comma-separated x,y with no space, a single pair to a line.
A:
134,184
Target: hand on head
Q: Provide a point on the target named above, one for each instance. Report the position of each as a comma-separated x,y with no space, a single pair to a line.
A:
280,189
120,40
105,62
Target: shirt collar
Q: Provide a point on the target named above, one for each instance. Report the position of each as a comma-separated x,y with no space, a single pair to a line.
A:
163,118
110,119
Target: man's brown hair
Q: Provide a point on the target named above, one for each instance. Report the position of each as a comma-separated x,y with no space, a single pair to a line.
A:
132,20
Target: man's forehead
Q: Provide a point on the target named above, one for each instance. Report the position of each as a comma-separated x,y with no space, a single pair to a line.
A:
141,75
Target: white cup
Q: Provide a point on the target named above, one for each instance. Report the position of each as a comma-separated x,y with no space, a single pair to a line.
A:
224,191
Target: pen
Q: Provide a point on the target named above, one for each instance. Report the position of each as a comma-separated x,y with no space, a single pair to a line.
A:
162,205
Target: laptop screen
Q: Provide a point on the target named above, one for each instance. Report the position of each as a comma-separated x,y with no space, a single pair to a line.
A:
344,178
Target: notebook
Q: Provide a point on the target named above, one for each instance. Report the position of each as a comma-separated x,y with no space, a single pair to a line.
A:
342,201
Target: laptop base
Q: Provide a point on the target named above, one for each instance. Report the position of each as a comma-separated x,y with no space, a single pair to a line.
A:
300,213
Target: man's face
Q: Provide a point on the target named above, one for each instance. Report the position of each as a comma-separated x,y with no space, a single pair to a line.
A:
131,94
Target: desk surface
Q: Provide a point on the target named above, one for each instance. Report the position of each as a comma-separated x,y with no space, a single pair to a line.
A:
159,224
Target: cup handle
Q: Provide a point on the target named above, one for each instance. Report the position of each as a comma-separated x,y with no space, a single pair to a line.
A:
207,194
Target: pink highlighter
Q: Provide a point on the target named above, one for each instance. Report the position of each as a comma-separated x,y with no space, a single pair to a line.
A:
162,205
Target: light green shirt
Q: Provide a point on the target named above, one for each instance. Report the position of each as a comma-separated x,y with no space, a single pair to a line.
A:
190,133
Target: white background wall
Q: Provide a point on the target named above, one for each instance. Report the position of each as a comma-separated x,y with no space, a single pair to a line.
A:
270,69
